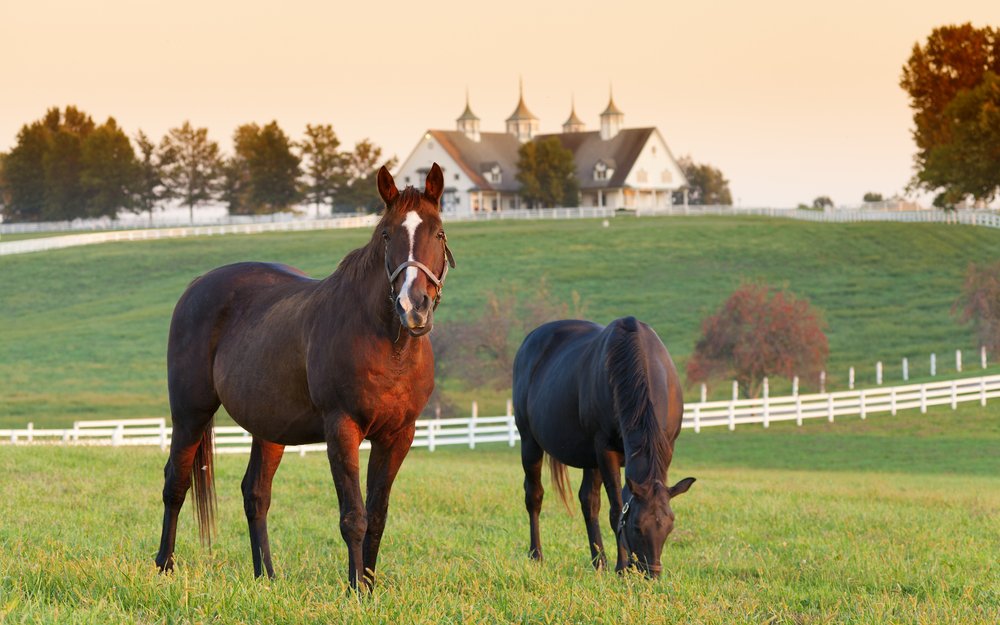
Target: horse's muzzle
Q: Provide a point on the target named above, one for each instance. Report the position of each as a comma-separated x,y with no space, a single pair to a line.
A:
417,322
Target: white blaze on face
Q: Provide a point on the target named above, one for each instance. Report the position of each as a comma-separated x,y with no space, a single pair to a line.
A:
410,223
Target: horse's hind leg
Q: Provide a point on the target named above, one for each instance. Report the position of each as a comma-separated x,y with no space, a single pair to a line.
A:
531,459
186,436
264,460
590,504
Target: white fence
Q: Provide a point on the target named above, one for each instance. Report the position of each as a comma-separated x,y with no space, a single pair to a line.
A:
475,430
89,238
984,218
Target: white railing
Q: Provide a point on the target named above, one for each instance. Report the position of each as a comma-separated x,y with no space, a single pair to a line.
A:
985,218
476,430
71,240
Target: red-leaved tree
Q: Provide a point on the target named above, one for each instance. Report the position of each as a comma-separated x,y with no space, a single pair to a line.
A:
979,304
757,333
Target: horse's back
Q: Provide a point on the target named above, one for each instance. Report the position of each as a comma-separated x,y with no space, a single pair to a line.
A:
550,369
207,313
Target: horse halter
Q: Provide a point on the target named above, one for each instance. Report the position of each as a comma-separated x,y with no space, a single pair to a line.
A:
449,259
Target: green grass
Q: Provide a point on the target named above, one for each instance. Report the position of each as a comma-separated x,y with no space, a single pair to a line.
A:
890,520
83,330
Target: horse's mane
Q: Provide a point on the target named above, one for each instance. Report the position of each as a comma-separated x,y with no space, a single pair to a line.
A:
626,363
357,263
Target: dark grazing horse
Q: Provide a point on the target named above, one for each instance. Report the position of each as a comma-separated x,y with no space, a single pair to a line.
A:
296,360
596,397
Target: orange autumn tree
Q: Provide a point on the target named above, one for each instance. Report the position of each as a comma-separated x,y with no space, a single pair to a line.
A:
759,332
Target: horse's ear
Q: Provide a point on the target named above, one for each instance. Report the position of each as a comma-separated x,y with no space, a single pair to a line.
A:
434,186
639,490
681,487
387,186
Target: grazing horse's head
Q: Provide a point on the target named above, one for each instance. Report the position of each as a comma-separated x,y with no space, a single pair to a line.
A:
647,519
416,249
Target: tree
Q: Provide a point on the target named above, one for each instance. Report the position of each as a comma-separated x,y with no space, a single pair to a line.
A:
64,194
953,59
547,173
108,170
190,166
262,176
324,171
758,333
24,175
360,167
822,202
706,184
871,196
148,188
979,304
968,162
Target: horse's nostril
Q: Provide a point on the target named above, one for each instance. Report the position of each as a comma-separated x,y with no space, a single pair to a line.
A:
425,302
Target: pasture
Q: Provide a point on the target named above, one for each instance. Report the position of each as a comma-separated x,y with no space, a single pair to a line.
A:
83,330
889,520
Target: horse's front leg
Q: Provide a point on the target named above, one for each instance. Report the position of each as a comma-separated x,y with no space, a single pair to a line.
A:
343,437
609,463
383,465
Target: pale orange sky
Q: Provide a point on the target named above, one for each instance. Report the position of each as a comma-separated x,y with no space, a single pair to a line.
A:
790,99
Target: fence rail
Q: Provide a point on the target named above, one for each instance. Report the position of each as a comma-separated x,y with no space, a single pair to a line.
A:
984,218
476,430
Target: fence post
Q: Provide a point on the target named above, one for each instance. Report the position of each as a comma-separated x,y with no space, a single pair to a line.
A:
31,428
982,356
923,398
163,435
732,406
119,433
933,365
829,408
798,400
906,369
767,412
472,425
697,418
878,373
892,400
958,360
511,428
704,393
795,386
954,394
982,391
850,378
431,427
864,415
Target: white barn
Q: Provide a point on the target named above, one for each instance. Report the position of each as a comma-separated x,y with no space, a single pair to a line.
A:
616,167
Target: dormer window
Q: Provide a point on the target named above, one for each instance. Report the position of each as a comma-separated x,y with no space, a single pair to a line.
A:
493,173
603,171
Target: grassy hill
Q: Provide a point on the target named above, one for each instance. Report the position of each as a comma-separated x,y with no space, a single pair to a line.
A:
83,330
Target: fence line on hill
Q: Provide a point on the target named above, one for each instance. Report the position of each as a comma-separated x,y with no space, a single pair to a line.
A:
475,430
984,218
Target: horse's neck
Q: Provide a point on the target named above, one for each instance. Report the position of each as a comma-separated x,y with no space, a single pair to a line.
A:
359,291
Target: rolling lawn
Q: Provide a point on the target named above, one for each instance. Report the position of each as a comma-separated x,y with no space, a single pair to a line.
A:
890,520
83,330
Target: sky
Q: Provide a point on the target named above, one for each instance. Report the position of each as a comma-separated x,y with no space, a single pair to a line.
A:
791,99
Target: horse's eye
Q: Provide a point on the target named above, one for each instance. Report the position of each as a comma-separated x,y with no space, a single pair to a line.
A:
441,235
385,235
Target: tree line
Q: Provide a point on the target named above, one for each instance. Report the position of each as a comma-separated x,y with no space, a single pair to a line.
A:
64,166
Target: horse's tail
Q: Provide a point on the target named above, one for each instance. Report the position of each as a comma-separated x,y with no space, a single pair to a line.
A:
204,484
560,480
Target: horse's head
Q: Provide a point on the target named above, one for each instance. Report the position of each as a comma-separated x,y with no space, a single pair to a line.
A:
647,519
416,249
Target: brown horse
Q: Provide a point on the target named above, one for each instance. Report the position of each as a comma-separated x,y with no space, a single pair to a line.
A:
296,360
597,397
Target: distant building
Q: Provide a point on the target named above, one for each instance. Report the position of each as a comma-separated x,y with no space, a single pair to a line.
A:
616,167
